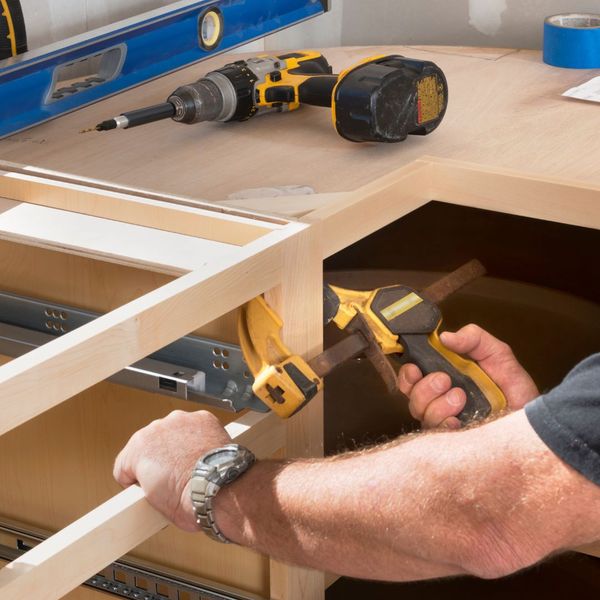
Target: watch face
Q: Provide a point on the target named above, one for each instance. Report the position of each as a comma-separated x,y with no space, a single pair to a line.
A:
220,457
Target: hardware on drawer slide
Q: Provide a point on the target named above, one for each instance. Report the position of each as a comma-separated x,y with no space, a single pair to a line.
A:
192,368
127,578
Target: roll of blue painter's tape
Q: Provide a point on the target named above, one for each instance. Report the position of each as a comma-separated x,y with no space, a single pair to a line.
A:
572,41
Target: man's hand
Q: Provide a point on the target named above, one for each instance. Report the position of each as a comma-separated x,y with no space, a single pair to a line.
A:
161,458
435,403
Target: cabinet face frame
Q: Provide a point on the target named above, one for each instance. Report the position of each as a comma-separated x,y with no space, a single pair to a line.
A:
285,259
250,261
256,256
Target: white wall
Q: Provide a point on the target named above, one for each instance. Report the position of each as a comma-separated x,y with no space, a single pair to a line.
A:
500,23
316,33
48,21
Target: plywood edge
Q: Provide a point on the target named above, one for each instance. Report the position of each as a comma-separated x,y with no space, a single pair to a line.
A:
515,192
351,216
475,52
117,206
481,53
99,184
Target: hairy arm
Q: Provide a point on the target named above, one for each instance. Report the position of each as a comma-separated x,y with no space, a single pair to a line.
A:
485,501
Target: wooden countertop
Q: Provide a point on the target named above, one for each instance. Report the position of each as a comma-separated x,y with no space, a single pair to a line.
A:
505,110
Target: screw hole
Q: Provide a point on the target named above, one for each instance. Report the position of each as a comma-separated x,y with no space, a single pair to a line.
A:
225,366
217,364
217,351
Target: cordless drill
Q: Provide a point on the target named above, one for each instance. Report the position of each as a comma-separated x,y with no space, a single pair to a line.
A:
380,99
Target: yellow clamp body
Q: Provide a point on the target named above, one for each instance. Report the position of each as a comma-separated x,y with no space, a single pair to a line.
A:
282,380
281,391
353,302
471,369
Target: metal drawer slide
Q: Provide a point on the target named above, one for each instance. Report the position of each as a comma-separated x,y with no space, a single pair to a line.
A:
192,368
127,577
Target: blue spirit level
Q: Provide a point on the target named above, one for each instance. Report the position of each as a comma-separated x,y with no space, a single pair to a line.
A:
45,83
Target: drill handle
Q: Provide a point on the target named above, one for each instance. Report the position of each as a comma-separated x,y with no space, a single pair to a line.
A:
483,395
317,90
306,79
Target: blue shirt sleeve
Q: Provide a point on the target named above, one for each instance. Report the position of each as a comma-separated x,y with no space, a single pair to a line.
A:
567,418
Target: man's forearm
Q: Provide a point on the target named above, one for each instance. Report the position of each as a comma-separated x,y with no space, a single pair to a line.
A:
321,515
440,504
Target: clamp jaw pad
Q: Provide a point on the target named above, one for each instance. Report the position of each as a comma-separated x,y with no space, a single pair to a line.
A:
283,381
354,302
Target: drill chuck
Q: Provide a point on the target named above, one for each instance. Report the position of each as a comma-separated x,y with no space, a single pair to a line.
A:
209,99
220,96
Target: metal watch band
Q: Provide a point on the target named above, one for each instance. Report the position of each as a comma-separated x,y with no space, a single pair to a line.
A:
207,480
204,511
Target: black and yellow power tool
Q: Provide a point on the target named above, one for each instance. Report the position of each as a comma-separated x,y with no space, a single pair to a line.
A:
380,99
13,37
381,322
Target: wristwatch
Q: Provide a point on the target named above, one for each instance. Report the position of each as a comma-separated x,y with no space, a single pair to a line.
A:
214,470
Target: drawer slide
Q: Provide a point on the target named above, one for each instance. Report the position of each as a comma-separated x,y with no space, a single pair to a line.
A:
192,368
127,577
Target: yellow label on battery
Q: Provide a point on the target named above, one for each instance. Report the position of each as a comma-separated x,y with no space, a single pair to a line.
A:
430,99
401,306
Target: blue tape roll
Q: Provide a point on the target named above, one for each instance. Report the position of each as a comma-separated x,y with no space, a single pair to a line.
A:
572,41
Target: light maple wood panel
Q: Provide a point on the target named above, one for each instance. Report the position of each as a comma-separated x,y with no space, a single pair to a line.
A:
78,594
505,110
58,466
91,542
115,205
298,299
505,113
91,284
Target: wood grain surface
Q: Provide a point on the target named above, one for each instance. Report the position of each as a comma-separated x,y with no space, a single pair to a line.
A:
113,528
505,110
60,464
509,142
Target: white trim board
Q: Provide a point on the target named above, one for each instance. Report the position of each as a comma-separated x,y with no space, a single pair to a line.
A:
113,241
